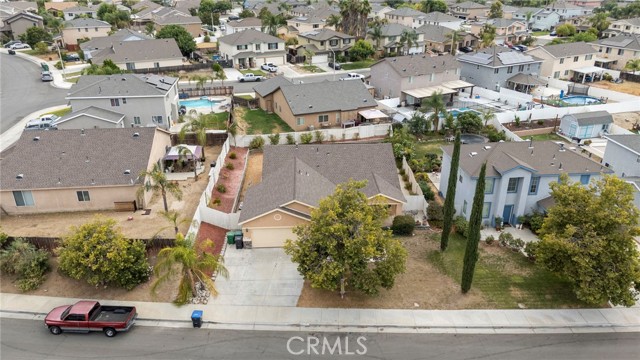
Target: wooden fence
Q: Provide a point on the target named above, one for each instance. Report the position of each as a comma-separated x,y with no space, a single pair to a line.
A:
630,77
250,103
213,139
51,243
206,91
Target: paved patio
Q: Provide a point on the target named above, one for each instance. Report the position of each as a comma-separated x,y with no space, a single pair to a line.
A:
258,277
525,234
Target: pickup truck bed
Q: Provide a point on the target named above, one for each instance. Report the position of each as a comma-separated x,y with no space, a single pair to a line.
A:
112,314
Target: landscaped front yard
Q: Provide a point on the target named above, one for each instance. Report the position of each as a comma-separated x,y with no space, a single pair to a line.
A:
258,121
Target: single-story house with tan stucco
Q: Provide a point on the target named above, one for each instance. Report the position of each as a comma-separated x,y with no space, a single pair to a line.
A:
296,178
79,169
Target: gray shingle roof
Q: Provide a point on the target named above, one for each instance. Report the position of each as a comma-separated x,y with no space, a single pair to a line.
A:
405,11
437,16
327,96
628,140
569,49
246,22
592,118
435,33
174,19
249,36
324,34
143,50
267,87
502,157
95,112
623,41
79,8
85,23
393,29
59,158
120,86
469,5
23,14
102,42
308,173
420,65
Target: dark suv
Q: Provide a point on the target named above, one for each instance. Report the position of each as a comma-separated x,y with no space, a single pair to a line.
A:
335,66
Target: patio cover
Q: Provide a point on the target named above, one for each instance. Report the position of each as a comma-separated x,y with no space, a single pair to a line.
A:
174,152
372,114
589,70
603,60
526,80
428,91
457,84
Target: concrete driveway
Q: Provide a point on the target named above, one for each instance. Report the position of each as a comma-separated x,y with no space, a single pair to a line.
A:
258,277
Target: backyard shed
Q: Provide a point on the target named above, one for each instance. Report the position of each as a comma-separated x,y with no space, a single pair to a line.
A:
586,125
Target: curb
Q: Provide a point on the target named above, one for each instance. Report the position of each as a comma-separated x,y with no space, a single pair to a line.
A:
52,68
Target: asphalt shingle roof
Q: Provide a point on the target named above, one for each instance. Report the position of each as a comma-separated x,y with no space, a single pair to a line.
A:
393,29
421,64
85,23
631,141
265,88
308,173
246,22
249,36
435,33
498,56
120,86
174,19
405,11
95,112
102,42
327,96
570,49
324,34
141,50
592,118
623,41
437,16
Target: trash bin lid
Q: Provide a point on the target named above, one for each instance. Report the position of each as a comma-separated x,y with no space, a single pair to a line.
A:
196,314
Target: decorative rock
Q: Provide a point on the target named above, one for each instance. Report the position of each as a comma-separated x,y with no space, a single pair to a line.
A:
522,306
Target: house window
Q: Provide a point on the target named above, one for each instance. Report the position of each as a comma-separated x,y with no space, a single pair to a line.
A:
513,185
83,195
556,74
488,185
566,72
124,101
131,66
533,187
322,43
136,120
562,61
157,119
300,121
588,57
241,47
79,30
496,71
86,29
410,79
323,118
584,179
96,29
115,102
333,42
392,38
156,65
257,47
464,207
23,198
510,70
521,68
315,26
460,178
346,41
575,58
273,46
477,67
486,209
433,77
620,51
608,51
528,67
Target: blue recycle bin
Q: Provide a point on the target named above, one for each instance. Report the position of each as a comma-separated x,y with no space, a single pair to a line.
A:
196,318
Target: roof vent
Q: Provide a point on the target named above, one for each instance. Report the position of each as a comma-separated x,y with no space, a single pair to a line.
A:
136,134
123,79
486,147
127,172
364,100
20,176
404,69
36,138
93,182
82,132
472,154
310,106
86,159
434,66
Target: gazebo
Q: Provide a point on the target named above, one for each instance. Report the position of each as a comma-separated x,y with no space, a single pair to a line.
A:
524,83
179,157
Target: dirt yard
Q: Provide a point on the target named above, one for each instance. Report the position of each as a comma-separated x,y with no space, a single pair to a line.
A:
421,284
140,227
253,175
230,181
627,87
626,120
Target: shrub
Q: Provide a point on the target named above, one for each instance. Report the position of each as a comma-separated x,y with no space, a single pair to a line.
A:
58,65
256,143
531,249
221,188
426,190
4,239
402,172
405,177
318,136
229,166
587,142
505,239
489,240
216,202
396,126
41,48
403,225
515,244
306,138
291,140
233,155
534,220
408,186
274,139
607,77
540,122
434,211
461,224
207,38
28,263
516,121
494,135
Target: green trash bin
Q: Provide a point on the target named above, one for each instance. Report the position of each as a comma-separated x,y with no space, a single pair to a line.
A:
230,238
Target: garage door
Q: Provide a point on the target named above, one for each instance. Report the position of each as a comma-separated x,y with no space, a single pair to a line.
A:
271,237
278,60
319,59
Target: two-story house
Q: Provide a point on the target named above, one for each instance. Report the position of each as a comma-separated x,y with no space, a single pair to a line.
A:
192,24
82,28
526,15
469,10
97,44
567,9
622,155
326,44
498,66
616,51
142,12
507,31
314,20
18,23
144,100
390,40
56,8
546,20
252,48
440,19
586,3
517,177
405,16
439,38
151,54
586,125
79,11
565,61
623,26
243,24
379,10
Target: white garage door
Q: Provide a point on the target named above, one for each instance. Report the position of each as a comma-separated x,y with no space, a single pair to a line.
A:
278,60
272,237
318,59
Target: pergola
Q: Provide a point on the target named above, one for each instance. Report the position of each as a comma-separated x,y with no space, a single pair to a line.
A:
524,83
592,71
418,94
372,115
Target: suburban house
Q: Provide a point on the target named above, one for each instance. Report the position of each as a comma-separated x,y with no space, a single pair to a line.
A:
265,89
186,6
317,105
151,54
507,31
192,24
296,178
499,66
405,16
413,78
623,26
567,9
437,38
517,178
523,12
14,7
79,170
469,10
440,19
379,10
18,23
622,155
243,24
391,34
586,3
508,11
95,45
546,20
83,28
326,44
142,12
78,11
57,8
314,19
252,48
145,100
586,125
565,61
91,117
616,51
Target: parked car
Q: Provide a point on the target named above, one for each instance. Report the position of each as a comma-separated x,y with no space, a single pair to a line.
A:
12,52
46,121
553,33
71,57
353,76
520,48
270,67
466,49
46,76
8,45
335,65
86,316
250,77
19,46
234,17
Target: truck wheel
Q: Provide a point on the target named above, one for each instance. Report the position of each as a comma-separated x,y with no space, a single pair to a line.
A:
241,80
55,330
110,332
258,79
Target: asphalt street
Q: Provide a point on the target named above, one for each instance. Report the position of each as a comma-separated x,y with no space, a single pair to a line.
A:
22,92
28,339
239,87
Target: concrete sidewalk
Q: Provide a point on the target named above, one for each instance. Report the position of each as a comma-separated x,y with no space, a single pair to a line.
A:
354,320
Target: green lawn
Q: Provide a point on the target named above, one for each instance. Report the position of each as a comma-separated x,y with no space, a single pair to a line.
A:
312,68
358,65
61,112
246,97
216,121
261,122
505,278
430,146
254,72
542,137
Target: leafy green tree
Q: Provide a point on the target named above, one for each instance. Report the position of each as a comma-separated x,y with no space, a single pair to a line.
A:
418,124
41,48
588,239
156,181
344,244
428,6
403,143
218,73
246,13
566,30
487,35
449,201
99,254
34,35
633,65
496,10
149,28
185,41
115,17
469,122
408,39
23,259
599,22
436,104
584,37
108,67
473,233
361,50
193,265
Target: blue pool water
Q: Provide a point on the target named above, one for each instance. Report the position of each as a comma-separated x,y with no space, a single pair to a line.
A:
195,103
456,112
582,100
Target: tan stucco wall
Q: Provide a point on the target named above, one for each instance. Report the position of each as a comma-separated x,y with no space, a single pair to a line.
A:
71,35
269,221
21,26
151,64
162,139
265,103
299,207
551,64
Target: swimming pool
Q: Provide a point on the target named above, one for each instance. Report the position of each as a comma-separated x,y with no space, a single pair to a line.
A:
456,112
196,103
473,139
582,100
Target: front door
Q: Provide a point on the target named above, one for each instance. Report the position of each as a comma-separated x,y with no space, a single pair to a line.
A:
506,214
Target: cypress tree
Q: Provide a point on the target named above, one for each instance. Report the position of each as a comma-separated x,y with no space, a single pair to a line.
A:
449,201
471,253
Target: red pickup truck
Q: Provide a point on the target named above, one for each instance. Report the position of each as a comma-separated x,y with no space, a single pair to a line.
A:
86,316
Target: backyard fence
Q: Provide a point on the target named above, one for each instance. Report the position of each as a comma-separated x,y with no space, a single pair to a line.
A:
214,138
630,77
166,69
250,103
206,91
51,243
414,202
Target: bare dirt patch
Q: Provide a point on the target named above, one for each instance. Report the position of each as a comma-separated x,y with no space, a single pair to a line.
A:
229,181
253,174
421,284
627,87
627,120
238,117
493,254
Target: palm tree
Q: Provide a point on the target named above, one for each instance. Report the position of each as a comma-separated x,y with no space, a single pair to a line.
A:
335,21
375,33
174,218
408,39
271,23
633,65
436,104
528,16
158,182
354,15
487,115
487,35
218,73
453,35
191,264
